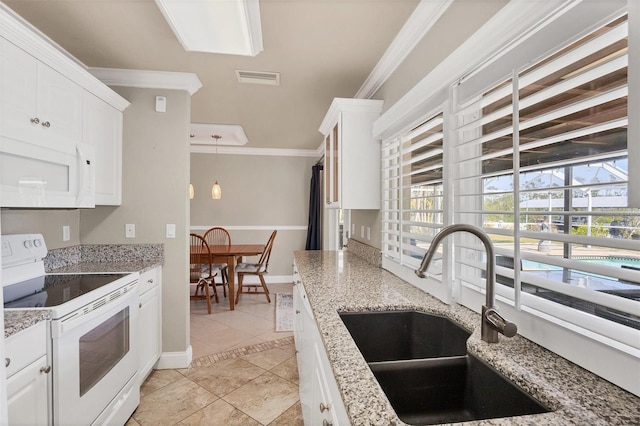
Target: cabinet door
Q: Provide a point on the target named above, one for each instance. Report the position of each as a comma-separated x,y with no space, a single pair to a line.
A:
304,331
39,105
335,167
102,128
27,397
60,106
149,322
19,93
332,173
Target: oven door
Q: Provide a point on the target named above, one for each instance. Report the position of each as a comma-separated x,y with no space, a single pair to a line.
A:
95,355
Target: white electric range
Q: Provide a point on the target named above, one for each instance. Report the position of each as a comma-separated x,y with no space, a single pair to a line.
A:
92,333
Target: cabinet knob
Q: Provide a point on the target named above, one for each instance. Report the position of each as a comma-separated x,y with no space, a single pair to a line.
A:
46,370
35,120
324,407
297,311
46,124
139,305
7,361
150,280
326,422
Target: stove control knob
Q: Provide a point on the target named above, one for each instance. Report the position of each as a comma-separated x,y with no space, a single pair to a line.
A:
37,242
28,244
7,361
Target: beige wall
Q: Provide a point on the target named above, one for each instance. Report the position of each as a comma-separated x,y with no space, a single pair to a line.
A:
49,223
155,180
466,17
259,194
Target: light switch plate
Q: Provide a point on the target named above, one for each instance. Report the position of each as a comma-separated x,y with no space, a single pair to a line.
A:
171,230
130,230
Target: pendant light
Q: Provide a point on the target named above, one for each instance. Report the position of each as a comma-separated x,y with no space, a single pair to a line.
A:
216,191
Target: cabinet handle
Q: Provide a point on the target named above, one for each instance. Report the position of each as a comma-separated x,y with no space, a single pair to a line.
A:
35,120
46,124
46,370
324,407
7,361
326,422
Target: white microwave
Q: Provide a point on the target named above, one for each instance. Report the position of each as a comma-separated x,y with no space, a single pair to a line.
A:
37,176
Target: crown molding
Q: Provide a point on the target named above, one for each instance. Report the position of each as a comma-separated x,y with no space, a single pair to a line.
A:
263,152
147,79
21,33
339,105
510,26
422,19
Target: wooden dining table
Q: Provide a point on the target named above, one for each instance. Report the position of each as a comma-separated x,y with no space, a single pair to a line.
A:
229,255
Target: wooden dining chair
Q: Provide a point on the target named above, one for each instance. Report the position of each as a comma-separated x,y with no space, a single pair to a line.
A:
201,272
260,269
218,237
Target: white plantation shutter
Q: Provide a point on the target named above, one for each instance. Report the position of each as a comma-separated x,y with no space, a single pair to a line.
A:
542,166
413,197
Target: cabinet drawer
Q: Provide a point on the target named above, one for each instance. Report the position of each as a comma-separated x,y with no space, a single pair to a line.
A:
25,347
148,280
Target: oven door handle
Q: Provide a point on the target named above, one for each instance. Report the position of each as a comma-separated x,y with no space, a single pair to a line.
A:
77,318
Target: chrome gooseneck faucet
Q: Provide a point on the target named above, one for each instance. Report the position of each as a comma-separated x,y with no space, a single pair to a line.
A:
492,322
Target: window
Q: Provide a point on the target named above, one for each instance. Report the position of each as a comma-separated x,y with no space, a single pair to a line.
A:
413,201
535,152
543,169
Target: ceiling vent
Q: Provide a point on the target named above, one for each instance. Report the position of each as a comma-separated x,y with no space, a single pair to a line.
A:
258,77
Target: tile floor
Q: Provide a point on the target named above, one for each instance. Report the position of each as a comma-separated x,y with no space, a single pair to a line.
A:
243,371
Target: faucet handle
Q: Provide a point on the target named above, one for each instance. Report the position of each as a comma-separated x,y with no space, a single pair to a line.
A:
500,324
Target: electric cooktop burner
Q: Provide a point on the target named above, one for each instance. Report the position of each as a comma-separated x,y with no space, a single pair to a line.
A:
53,290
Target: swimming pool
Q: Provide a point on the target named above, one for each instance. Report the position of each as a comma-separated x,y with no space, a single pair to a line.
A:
615,261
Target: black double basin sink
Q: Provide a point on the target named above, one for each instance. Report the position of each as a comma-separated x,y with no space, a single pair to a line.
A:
421,363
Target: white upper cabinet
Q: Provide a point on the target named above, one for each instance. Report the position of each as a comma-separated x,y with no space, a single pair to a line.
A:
102,129
39,105
352,155
61,128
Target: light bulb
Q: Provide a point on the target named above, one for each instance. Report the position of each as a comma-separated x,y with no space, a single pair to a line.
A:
216,191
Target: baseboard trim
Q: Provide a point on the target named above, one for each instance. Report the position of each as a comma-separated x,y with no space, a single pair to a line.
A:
173,360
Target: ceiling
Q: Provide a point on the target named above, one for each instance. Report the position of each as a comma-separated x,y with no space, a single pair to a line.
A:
321,48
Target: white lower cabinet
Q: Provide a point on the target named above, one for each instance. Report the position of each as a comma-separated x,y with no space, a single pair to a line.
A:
28,377
319,394
150,321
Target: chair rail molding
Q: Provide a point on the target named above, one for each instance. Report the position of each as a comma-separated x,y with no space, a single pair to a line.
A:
251,227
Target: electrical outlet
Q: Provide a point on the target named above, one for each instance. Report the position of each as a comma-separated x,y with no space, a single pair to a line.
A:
369,233
130,230
66,233
361,231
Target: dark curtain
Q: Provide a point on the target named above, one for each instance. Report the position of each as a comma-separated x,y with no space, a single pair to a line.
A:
314,230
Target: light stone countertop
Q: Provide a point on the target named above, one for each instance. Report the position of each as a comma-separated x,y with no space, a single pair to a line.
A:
344,282
88,259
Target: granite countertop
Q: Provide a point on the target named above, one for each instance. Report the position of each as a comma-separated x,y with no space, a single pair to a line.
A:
87,259
340,281
16,321
106,267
